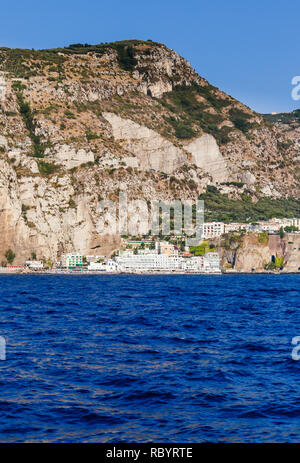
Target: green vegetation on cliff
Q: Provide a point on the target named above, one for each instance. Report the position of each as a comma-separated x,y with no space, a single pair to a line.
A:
25,63
190,111
192,105
83,48
10,256
201,249
219,207
277,263
30,123
285,118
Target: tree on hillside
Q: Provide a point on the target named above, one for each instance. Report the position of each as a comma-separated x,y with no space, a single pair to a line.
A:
10,256
281,233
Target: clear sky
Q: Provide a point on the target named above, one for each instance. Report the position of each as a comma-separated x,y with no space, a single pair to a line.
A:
248,48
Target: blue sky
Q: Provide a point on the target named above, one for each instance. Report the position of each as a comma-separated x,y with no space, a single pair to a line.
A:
247,48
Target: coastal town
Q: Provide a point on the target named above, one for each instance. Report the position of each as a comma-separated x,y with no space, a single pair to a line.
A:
150,254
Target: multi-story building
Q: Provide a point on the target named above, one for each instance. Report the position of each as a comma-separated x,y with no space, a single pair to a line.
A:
213,229
72,260
268,227
194,264
295,222
163,247
212,262
148,261
292,223
234,226
260,227
209,263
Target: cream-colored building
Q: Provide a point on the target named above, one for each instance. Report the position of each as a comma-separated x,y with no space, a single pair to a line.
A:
166,248
213,229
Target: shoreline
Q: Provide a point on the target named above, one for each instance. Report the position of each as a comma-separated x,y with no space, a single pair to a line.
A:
84,273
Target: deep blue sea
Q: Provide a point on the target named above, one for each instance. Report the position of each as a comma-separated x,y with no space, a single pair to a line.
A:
125,358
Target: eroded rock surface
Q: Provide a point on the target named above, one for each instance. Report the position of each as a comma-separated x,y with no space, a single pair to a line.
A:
206,154
150,148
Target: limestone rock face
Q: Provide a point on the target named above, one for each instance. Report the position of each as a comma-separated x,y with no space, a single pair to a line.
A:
70,157
206,154
251,255
165,66
131,161
290,250
3,142
269,190
157,89
151,149
247,177
2,88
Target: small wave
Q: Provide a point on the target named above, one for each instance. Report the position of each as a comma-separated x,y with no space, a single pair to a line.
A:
150,396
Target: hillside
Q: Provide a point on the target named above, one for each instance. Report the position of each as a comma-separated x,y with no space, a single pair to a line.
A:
292,118
81,123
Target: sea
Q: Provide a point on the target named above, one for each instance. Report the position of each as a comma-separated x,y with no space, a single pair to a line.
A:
149,358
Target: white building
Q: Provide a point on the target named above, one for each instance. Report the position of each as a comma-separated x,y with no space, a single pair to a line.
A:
107,266
209,263
212,262
260,227
268,227
147,261
292,223
295,222
213,229
92,258
34,264
234,226
194,264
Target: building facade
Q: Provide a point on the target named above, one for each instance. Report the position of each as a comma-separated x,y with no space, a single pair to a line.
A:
209,263
72,260
213,229
108,266
234,226
148,261
166,248
34,264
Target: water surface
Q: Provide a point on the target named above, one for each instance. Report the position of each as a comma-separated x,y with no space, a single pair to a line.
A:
125,358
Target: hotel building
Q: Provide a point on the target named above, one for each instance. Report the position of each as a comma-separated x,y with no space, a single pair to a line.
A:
72,260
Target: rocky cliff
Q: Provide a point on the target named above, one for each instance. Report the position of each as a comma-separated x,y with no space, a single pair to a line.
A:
82,123
253,252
